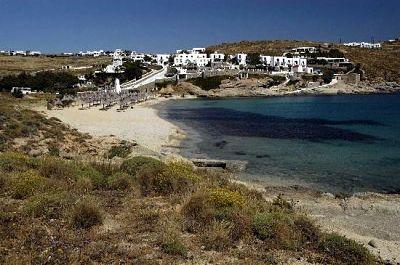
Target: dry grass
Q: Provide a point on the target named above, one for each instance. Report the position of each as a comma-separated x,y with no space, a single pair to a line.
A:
18,64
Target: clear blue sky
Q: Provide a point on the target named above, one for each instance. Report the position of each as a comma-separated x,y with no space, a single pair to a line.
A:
165,25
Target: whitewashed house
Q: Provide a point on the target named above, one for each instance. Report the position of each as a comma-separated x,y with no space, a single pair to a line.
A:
14,53
34,53
137,57
366,45
162,59
301,51
194,56
241,58
217,57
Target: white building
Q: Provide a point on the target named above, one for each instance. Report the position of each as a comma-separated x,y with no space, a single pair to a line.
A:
366,45
115,67
162,59
194,56
34,53
241,58
334,60
23,53
137,57
217,57
282,61
303,50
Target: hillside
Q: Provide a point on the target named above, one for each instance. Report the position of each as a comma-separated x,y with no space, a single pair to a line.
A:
17,64
379,65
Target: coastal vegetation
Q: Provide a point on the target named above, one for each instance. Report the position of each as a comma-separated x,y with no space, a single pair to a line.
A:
141,209
44,81
208,83
177,208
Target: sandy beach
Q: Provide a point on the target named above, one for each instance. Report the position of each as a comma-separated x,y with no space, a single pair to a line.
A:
139,123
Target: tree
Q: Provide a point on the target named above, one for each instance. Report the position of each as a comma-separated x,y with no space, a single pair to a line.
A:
327,76
147,58
133,70
254,58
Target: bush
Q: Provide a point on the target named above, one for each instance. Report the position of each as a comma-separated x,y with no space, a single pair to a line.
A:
277,229
49,205
217,236
197,211
134,164
27,184
84,184
175,178
345,251
122,150
208,83
51,167
281,204
119,181
87,171
170,237
310,233
225,198
11,161
86,214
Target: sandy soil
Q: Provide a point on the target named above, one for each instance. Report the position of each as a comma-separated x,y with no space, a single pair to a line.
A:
139,123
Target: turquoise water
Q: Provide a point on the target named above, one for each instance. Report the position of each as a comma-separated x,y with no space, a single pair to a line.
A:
332,143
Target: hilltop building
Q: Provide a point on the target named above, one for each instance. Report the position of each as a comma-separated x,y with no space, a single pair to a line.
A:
366,45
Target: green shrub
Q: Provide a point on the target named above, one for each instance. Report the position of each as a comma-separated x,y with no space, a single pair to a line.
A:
54,150
12,161
310,233
51,167
2,181
277,229
87,171
134,164
208,83
345,251
86,214
174,178
27,184
49,205
119,181
174,247
217,236
122,150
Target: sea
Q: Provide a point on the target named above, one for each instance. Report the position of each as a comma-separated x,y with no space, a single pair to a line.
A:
339,144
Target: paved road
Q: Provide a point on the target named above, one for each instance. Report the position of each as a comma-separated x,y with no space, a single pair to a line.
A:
146,79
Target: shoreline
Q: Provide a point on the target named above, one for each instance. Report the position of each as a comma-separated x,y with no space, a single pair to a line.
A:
366,217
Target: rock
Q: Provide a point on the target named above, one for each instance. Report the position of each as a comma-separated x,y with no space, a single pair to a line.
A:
372,243
35,152
328,195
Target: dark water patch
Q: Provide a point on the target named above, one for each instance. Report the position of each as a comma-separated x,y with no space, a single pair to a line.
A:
263,156
222,121
240,153
221,144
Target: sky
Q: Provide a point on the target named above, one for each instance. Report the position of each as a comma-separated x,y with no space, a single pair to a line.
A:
166,25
